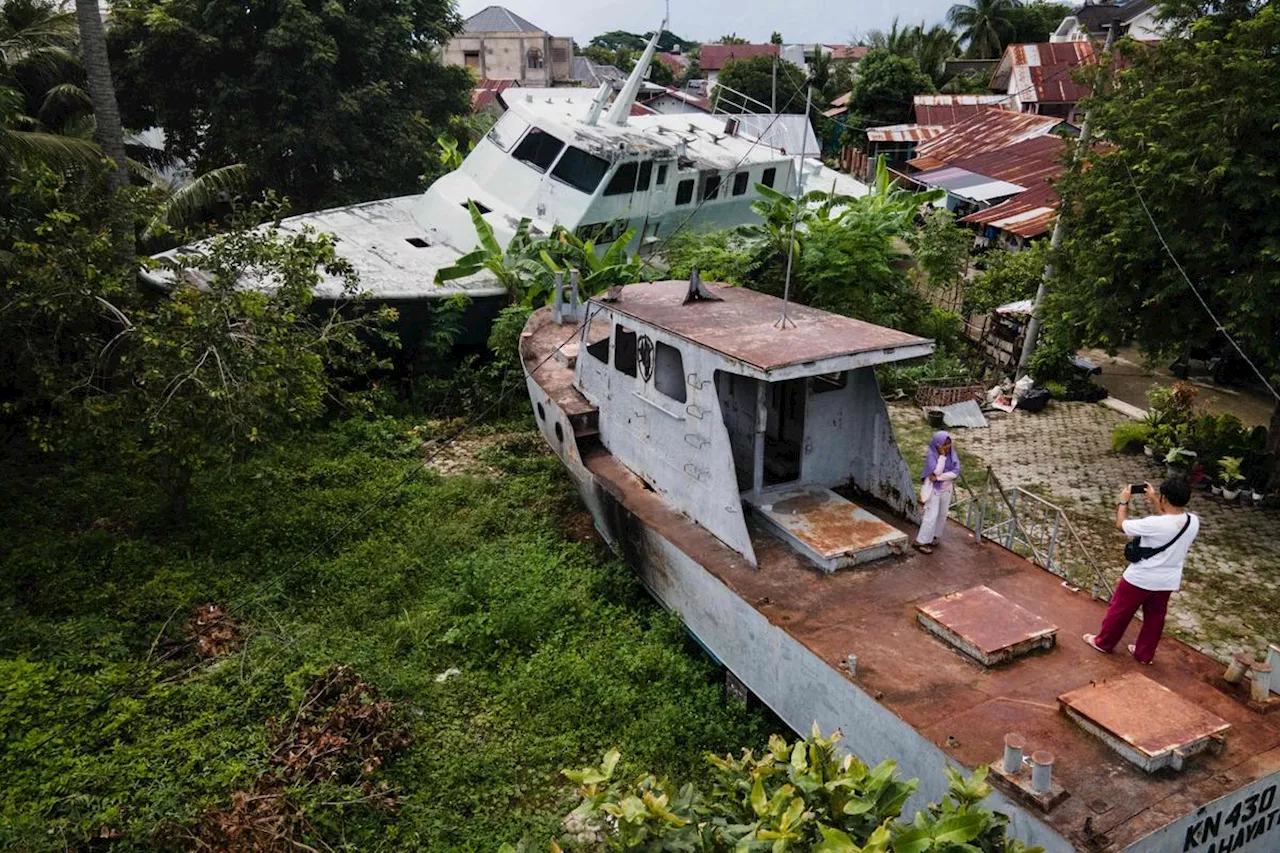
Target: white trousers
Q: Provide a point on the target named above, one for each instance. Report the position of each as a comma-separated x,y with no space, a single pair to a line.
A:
934,516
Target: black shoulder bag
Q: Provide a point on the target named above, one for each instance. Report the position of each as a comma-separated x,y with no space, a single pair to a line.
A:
1134,552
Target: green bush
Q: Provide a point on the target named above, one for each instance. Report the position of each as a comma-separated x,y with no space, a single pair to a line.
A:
1057,390
1129,437
941,365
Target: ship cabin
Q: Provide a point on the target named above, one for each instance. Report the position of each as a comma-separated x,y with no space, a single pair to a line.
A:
719,397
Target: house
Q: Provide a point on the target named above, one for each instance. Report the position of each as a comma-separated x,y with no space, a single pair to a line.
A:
989,130
1038,78
945,110
671,101
675,61
712,58
898,144
486,96
1093,21
497,43
592,74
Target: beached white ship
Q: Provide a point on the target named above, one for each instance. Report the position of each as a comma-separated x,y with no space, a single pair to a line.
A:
746,468
582,160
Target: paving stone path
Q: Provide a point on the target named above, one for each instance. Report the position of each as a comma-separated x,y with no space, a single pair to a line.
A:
1230,598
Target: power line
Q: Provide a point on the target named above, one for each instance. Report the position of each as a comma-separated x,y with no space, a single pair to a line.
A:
1216,322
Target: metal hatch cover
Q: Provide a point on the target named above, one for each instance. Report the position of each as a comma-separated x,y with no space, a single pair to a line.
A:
1144,721
985,625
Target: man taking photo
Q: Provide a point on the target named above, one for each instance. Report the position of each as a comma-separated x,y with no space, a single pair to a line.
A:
1155,559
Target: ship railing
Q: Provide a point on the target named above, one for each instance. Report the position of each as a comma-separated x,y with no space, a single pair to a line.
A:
728,101
1032,527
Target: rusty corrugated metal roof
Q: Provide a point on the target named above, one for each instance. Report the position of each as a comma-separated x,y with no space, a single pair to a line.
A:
949,109
903,133
1059,58
983,132
1030,162
487,91
1027,215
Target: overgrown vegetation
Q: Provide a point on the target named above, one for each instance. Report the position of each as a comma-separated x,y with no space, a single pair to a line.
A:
506,646
801,796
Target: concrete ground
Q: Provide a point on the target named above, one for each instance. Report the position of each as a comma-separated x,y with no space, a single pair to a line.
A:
1127,377
1230,599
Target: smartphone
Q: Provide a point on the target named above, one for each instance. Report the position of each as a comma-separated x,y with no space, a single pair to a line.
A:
1137,488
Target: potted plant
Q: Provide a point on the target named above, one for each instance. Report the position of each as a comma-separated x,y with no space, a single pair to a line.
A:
1177,461
1231,476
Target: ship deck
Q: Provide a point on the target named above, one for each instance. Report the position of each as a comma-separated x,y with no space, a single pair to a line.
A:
962,707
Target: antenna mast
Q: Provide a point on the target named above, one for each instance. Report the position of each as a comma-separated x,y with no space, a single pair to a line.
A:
795,213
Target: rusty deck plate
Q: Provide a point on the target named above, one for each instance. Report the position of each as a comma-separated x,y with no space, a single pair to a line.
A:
1144,721
826,528
985,625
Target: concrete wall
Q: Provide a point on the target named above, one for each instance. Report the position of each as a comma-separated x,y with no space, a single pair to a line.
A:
505,56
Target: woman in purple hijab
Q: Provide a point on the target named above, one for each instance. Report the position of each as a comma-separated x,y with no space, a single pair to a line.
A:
941,466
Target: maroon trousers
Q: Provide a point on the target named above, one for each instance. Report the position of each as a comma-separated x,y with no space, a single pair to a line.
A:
1124,604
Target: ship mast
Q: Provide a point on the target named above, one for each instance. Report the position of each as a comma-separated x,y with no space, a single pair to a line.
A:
621,109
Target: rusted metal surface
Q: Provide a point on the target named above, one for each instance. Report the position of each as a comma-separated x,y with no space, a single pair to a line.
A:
962,708
981,133
949,109
1162,727
541,347
1028,214
1069,53
1031,162
1054,84
904,132
987,626
833,531
741,325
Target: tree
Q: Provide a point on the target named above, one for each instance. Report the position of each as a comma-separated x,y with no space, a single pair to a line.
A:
637,42
754,78
1190,124
326,103
803,796
106,112
1035,21
732,38
776,38
884,88
986,26
940,247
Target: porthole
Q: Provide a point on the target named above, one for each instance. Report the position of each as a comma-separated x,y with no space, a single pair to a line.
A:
559,432
542,414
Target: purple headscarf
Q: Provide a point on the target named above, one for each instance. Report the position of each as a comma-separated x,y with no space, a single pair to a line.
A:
931,456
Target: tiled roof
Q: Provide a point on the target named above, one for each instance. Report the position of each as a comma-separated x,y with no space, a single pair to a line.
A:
986,131
949,109
497,19
848,51
712,57
590,74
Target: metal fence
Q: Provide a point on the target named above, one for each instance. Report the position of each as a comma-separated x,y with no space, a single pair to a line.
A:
1031,527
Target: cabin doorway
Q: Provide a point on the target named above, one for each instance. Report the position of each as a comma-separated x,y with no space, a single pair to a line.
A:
784,431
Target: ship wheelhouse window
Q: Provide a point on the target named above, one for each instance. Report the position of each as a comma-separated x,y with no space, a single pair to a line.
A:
684,192
580,170
630,177
507,131
668,372
538,149
662,175
710,186
624,349
769,176
740,182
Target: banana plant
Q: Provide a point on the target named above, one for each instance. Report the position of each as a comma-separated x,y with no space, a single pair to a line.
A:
598,272
510,266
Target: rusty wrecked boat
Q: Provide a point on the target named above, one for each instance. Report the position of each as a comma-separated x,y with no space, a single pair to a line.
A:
739,455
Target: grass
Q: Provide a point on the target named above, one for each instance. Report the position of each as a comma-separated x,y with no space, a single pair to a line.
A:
913,434
560,654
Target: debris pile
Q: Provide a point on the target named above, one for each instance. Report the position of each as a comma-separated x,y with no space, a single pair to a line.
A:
211,631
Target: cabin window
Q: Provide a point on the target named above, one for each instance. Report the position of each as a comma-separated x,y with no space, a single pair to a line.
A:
830,382
580,170
710,187
662,175
668,372
684,192
538,149
535,58
740,182
508,131
624,349
623,181
768,176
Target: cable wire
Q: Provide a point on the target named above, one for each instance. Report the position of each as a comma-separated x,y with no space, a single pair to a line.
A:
1216,322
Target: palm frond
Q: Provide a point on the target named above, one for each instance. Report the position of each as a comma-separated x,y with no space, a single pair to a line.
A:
189,201
62,99
29,146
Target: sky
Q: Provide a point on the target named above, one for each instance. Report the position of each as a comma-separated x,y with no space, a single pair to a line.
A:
707,20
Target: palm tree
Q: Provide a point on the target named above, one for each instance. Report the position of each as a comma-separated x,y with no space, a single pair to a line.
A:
108,130
930,48
984,24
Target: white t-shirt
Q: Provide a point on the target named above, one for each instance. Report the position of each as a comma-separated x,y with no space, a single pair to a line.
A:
1164,570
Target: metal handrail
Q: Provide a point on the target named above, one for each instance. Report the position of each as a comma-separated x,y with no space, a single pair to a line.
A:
717,98
1015,532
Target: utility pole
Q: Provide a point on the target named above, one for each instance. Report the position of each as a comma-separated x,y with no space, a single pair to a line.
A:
1055,242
